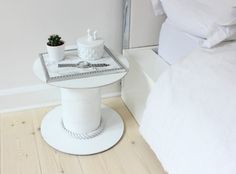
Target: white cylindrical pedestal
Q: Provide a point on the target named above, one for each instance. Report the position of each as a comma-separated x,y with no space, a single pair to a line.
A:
80,126
81,109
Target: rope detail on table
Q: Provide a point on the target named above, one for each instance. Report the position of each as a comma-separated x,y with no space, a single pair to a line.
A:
89,135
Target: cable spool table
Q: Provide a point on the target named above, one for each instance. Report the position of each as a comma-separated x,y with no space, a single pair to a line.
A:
80,125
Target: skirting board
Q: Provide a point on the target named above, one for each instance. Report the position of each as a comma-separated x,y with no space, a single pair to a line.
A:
42,95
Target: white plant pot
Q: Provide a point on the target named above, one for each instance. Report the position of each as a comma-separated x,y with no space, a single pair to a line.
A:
56,53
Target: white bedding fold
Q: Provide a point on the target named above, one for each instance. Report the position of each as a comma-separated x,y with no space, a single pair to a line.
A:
190,116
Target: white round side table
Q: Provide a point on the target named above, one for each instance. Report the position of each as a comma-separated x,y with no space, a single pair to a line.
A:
81,126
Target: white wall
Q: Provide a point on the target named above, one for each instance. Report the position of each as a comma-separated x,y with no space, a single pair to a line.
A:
26,24
24,28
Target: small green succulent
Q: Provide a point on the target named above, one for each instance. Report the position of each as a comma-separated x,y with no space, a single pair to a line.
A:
55,40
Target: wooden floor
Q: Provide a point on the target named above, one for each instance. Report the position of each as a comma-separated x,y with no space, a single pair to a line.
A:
23,151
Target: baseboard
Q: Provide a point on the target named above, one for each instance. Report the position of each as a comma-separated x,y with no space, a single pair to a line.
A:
37,96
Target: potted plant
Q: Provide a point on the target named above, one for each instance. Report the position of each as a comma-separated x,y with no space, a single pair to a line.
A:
55,48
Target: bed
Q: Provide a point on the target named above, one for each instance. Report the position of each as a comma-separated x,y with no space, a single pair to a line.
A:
189,117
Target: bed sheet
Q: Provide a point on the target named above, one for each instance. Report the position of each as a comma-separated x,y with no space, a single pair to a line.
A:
190,116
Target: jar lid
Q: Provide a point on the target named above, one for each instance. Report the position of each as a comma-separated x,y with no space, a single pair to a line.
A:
91,40
84,41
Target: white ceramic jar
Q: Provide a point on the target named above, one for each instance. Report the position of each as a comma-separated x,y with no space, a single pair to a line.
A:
90,47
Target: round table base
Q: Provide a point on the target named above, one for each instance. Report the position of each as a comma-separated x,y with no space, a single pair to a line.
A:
56,136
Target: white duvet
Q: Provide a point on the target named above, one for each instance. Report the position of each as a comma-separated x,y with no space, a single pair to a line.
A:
190,116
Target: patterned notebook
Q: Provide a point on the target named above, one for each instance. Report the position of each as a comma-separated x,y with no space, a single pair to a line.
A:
54,73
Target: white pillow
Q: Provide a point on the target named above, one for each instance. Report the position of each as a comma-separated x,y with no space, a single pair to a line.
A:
157,7
221,33
189,16
227,17
175,44
199,17
214,21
